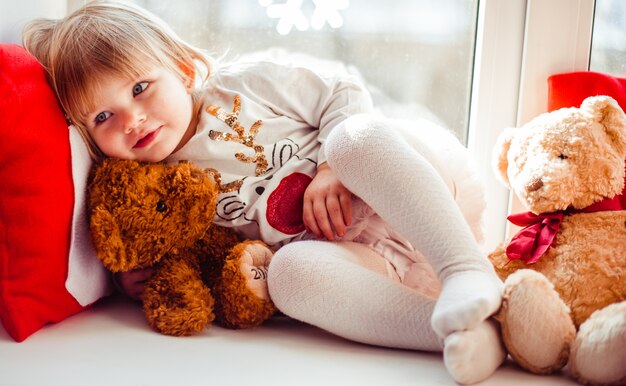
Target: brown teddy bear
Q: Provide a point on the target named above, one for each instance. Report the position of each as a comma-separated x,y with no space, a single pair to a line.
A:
157,215
565,289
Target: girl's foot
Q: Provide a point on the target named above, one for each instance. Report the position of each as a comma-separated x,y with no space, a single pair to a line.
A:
467,299
473,355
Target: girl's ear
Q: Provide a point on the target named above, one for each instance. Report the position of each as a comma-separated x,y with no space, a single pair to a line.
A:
189,70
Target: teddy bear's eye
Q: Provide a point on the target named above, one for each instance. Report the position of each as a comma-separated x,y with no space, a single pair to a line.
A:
161,207
562,156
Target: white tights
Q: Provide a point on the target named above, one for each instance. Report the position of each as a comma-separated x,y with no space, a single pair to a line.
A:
344,288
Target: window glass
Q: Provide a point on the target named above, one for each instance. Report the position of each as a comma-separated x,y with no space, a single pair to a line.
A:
608,45
417,54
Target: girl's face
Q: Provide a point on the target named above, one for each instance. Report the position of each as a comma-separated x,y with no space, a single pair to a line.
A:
145,119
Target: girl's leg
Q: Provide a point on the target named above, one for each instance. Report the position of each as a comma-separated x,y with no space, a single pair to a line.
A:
399,181
347,289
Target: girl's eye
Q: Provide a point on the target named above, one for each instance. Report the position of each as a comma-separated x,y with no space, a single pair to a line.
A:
103,116
139,88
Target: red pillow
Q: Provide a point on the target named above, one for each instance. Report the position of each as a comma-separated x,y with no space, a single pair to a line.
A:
570,89
42,227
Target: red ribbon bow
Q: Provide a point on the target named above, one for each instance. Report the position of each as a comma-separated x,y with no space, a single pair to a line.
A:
530,243
539,231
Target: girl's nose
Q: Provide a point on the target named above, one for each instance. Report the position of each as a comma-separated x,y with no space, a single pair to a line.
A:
133,119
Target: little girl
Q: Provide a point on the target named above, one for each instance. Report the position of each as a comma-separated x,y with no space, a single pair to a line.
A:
366,213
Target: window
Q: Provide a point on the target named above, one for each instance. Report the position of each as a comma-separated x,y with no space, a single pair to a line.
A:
608,47
477,66
417,55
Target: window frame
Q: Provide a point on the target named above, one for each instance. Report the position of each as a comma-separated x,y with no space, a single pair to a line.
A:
519,44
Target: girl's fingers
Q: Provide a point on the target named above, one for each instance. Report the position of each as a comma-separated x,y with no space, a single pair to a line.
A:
346,207
328,216
141,275
321,218
308,218
335,213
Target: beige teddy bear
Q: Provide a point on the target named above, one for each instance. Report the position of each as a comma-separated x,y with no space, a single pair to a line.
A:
569,307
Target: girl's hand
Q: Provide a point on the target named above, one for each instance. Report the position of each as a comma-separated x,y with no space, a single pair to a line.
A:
132,283
327,207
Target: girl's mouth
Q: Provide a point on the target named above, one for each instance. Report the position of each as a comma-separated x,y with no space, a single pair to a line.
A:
146,140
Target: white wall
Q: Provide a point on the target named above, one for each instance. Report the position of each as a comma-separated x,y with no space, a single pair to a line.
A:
15,13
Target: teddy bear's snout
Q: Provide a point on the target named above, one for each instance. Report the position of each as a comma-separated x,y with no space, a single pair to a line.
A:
534,184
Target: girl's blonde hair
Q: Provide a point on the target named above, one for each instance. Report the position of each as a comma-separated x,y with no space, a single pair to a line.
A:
104,39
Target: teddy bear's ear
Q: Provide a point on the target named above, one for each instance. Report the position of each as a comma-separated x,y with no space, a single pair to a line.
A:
605,110
500,162
107,240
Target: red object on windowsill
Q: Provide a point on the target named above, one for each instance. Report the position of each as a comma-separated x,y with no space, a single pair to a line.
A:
570,89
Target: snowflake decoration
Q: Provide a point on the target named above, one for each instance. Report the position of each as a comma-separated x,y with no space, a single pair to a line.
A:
290,14
327,11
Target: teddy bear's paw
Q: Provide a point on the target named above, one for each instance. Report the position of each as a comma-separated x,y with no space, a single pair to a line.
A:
178,308
241,294
536,327
598,355
253,263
